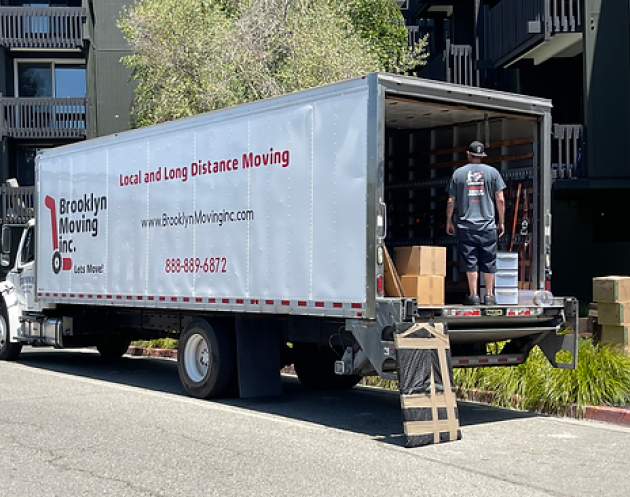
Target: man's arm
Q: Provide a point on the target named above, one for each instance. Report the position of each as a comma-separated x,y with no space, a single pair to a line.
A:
450,207
500,201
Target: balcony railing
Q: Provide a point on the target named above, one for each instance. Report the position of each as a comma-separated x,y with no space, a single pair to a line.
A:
41,27
455,65
515,25
43,117
17,204
567,160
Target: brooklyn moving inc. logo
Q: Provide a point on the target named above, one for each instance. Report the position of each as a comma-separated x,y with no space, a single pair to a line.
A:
76,217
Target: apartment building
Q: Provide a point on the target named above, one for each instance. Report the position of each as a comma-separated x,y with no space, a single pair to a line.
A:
61,79
576,53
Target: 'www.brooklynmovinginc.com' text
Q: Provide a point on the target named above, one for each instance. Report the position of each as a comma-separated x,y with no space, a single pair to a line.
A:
181,219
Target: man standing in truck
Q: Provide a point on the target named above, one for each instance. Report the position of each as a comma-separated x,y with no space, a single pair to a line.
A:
474,189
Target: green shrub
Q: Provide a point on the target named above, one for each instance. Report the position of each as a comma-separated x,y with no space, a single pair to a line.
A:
160,343
602,378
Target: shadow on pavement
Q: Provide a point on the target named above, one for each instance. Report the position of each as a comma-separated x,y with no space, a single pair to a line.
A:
369,411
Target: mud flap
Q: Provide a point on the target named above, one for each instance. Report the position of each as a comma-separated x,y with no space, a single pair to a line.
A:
258,357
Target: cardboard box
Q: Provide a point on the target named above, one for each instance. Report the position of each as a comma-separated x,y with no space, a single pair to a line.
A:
423,261
611,289
613,313
615,334
428,290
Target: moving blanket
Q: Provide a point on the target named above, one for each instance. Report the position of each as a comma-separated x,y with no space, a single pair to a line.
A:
425,380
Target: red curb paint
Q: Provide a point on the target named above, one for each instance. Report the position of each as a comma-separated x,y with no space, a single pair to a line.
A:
141,351
606,414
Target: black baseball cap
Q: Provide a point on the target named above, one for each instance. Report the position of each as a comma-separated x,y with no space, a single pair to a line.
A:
476,149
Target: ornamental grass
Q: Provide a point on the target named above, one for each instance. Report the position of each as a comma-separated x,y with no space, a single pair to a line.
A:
602,378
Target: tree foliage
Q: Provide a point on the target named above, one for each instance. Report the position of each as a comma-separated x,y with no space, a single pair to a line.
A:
193,56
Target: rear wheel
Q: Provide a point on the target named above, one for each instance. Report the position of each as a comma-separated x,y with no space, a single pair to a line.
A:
113,347
8,351
205,359
315,369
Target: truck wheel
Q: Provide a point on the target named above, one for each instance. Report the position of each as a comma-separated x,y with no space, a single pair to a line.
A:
315,369
8,351
113,347
205,359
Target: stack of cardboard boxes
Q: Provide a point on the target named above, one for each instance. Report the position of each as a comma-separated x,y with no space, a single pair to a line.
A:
612,294
422,273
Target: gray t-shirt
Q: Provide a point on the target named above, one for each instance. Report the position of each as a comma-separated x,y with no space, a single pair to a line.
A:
474,187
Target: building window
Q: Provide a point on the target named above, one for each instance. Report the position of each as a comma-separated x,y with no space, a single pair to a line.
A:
50,79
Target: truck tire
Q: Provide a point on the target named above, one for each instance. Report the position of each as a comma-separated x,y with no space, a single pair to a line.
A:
315,368
205,359
113,347
8,351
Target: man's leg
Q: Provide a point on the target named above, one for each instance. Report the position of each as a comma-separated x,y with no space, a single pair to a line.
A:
472,281
488,278
487,262
468,264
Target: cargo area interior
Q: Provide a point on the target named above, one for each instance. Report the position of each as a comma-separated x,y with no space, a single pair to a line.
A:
425,142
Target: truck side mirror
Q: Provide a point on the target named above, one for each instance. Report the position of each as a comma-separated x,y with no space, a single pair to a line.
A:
6,241
5,260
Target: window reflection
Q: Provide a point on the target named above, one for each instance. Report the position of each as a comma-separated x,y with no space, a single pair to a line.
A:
51,79
35,79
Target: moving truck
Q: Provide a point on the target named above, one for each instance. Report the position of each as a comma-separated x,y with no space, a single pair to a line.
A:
258,236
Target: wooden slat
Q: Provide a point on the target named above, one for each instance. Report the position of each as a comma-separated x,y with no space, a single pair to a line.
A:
497,144
487,160
392,280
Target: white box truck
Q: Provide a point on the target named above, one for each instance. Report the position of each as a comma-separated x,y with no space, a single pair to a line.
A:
255,235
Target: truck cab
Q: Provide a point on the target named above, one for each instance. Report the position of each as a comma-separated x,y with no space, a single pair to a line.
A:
22,274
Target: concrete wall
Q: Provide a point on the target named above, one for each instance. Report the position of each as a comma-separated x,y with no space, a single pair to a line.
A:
607,87
110,89
591,237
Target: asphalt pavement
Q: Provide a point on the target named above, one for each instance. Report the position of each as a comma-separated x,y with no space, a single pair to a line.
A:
74,424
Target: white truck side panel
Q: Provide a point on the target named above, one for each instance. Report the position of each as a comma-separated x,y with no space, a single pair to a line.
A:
279,223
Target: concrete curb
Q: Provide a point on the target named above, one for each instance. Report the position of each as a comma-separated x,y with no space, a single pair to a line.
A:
614,415
143,351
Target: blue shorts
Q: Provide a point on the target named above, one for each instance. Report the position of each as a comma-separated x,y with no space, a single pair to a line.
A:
477,250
